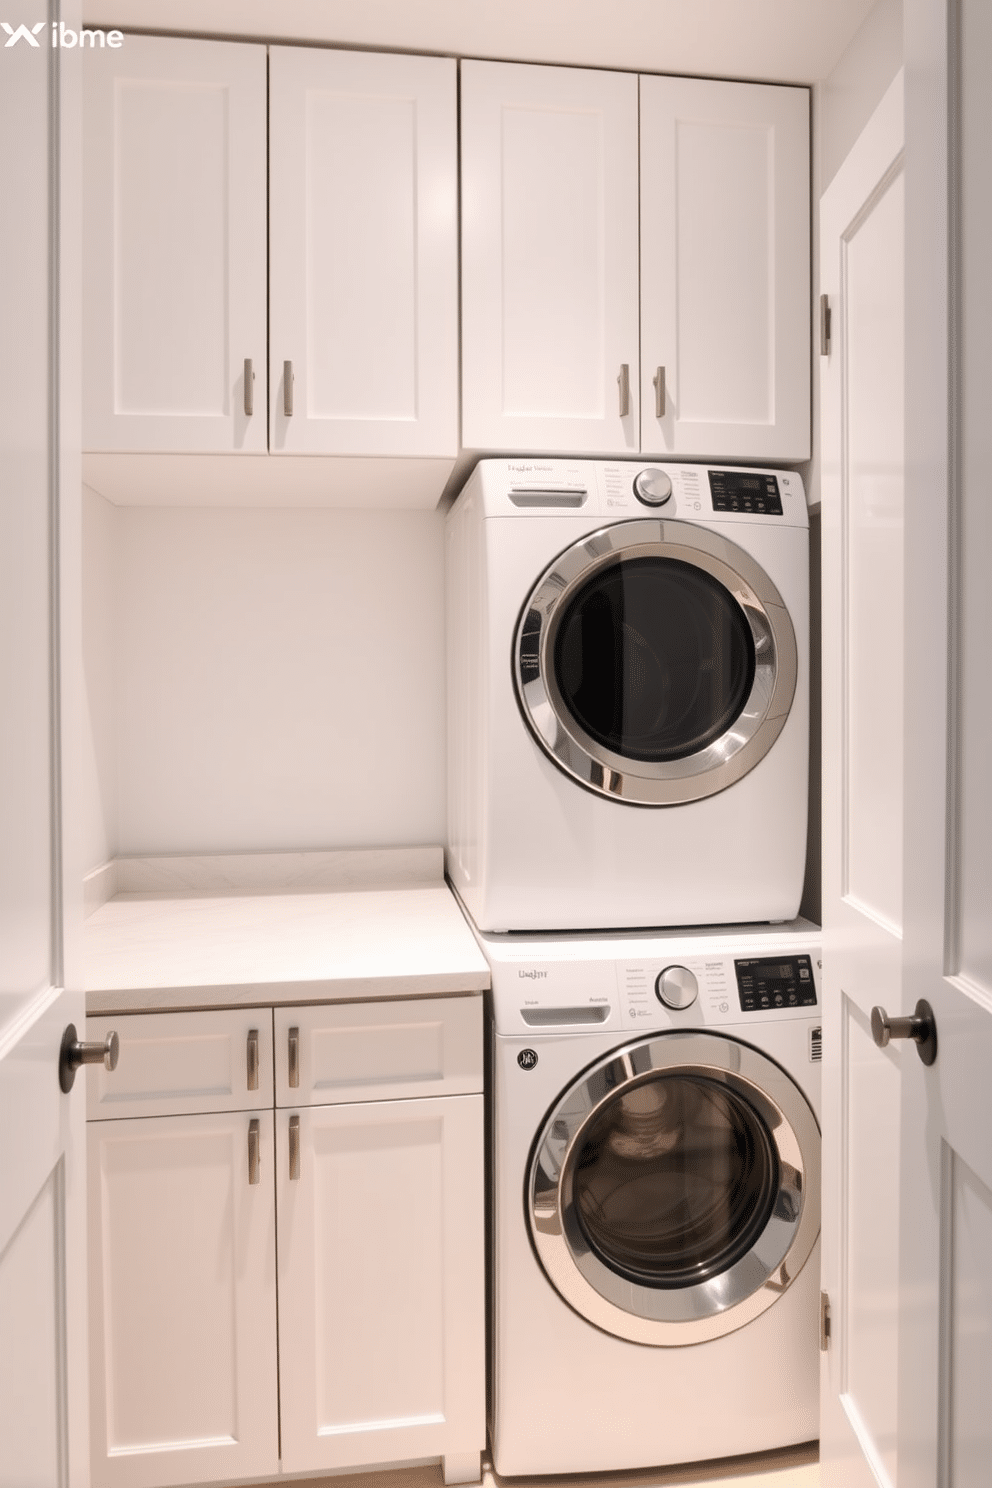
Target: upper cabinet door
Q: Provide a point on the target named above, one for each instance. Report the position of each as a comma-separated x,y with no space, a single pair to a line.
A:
725,290
363,244
549,258
174,246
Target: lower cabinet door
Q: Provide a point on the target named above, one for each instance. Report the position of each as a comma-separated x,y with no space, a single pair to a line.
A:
182,1299
381,1292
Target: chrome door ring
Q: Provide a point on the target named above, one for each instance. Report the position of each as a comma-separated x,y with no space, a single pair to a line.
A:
727,758
720,1304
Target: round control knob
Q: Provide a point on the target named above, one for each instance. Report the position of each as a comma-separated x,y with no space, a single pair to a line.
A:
676,987
652,487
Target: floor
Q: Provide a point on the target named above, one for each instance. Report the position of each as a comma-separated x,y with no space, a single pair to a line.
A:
794,1467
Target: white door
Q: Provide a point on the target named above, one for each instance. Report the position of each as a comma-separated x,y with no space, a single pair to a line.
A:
945,1427
174,246
549,259
861,239
363,253
724,270
42,1189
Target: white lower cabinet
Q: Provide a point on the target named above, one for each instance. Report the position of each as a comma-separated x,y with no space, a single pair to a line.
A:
370,1192
182,1300
380,1319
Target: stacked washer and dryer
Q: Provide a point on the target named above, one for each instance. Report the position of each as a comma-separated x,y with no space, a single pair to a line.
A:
628,679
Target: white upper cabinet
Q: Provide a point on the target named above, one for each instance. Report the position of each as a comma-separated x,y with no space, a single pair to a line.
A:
363,253
271,262
724,269
174,246
549,258
712,323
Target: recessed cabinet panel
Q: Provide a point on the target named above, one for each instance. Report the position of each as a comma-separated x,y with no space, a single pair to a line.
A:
174,246
182,1300
380,1282
363,253
724,269
378,1050
549,258
220,1060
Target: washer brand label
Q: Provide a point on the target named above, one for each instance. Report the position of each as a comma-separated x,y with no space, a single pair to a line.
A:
534,976
527,1059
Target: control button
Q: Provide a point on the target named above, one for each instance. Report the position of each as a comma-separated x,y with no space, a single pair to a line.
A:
652,487
676,987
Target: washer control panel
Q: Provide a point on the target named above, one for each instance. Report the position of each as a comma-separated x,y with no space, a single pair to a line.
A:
665,987
768,982
700,991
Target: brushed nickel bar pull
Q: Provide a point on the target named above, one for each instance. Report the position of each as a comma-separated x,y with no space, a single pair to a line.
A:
623,382
658,381
249,388
294,1147
252,1058
254,1151
294,1057
287,389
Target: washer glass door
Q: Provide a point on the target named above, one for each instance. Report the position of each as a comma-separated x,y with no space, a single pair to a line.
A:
655,662
674,1188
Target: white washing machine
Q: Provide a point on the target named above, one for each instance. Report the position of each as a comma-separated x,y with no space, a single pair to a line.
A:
628,707
655,1190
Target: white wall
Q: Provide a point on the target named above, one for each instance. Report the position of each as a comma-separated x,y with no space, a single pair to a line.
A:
849,95
263,680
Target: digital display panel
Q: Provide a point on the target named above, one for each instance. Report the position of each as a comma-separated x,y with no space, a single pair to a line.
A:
770,984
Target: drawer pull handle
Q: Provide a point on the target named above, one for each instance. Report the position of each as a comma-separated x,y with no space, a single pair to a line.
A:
658,381
623,382
252,1057
294,1147
287,389
254,1151
249,388
294,1057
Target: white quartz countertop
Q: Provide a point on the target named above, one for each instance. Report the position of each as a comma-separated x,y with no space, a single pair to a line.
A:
213,938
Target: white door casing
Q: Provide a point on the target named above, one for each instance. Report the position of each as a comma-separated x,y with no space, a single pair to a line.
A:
42,1193
861,380
724,188
945,1359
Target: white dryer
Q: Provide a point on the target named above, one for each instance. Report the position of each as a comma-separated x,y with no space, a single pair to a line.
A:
628,714
655,1191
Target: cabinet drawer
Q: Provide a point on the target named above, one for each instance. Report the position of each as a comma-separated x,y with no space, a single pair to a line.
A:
174,1062
378,1051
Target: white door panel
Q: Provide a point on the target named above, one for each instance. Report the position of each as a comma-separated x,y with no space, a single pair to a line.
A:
861,227
42,1171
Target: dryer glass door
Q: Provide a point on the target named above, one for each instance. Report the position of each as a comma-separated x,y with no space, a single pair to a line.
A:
655,662
674,1188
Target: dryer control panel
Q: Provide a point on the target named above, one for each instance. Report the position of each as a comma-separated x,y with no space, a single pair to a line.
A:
775,982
